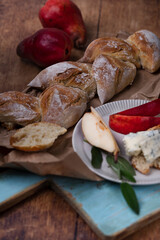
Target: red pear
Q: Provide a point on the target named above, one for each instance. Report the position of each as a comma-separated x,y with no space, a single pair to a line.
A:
46,47
126,124
65,15
147,109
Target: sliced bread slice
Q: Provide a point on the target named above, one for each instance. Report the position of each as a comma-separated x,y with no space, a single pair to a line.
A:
139,163
36,136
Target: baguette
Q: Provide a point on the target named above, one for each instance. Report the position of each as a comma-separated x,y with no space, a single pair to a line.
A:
36,136
112,75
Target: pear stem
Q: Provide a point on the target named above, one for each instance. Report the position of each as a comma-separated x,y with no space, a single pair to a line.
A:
115,157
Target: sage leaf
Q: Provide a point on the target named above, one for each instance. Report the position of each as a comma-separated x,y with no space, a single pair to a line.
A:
123,165
126,165
96,157
130,197
127,176
117,171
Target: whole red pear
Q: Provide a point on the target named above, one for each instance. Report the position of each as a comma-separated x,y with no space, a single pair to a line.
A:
65,15
46,47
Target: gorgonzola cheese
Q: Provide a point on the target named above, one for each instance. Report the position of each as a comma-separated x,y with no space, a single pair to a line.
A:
146,142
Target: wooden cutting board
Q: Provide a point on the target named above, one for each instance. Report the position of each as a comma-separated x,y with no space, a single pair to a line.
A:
100,204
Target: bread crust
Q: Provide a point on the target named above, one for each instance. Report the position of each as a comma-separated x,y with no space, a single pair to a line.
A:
70,74
112,75
148,49
77,79
63,105
111,46
19,108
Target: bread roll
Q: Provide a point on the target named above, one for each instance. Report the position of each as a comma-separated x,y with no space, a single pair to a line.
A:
46,77
19,108
36,136
63,105
148,48
111,47
112,75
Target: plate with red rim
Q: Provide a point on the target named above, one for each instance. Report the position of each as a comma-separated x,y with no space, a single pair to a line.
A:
83,149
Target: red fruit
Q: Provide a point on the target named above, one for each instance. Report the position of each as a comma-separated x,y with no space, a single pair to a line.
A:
65,15
148,109
126,124
46,47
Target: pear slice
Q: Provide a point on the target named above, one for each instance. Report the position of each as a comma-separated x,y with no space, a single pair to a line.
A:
97,133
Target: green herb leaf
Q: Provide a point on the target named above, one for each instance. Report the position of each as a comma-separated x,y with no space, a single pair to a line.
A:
96,157
126,165
117,171
130,197
123,165
127,176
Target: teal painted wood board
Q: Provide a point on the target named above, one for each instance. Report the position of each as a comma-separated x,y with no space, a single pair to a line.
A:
100,203
17,185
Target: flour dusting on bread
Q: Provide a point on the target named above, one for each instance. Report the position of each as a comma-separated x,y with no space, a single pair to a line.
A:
148,49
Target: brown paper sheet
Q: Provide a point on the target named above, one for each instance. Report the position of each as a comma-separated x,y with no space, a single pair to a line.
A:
60,159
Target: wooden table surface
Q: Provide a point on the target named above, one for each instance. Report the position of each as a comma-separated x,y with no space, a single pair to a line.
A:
46,215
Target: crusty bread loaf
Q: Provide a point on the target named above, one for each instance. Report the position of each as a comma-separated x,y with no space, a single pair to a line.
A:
63,105
110,46
19,108
148,49
112,75
36,136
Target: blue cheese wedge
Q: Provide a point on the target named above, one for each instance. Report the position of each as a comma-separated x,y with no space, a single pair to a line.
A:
145,142
151,147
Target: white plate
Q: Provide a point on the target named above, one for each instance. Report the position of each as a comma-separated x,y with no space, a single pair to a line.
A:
83,149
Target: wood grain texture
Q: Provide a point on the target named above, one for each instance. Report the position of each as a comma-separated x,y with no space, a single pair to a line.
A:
46,215
129,16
